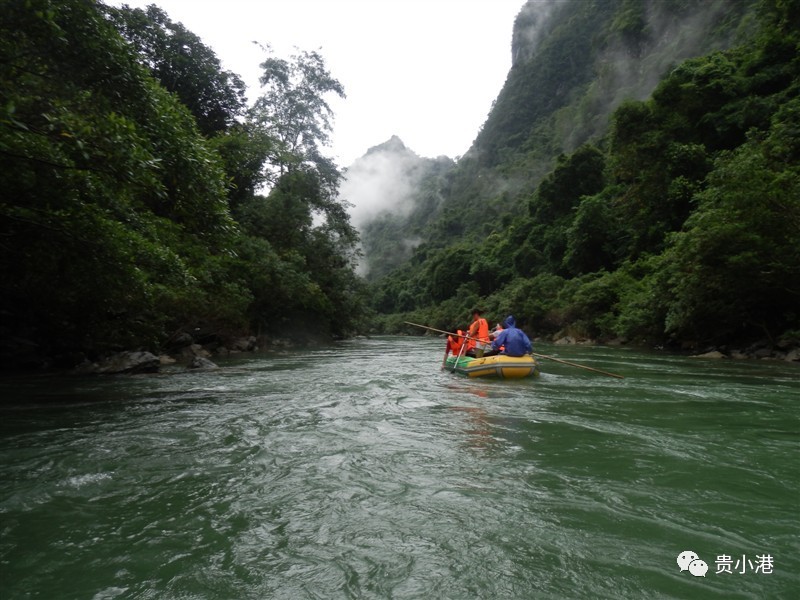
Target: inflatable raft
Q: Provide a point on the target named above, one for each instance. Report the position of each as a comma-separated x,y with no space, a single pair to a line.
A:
499,365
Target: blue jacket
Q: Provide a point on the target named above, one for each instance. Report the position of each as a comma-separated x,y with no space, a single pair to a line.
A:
515,340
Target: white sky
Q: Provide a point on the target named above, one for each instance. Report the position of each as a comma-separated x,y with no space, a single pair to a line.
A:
424,70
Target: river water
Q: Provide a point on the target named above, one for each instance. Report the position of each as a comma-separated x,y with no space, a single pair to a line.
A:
361,470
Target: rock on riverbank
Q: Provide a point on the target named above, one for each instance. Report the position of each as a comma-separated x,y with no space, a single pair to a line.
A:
122,363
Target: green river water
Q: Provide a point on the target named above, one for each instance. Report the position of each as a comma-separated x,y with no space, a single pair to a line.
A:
361,470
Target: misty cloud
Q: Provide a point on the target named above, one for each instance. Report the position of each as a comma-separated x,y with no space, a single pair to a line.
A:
671,40
529,27
392,194
384,180
629,72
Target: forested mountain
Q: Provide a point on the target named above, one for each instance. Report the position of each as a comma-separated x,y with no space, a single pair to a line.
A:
637,178
142,201
395,192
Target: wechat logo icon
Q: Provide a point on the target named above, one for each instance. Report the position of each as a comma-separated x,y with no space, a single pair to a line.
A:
689,561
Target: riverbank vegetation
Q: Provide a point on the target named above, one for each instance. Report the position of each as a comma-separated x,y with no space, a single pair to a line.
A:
142,198
678,223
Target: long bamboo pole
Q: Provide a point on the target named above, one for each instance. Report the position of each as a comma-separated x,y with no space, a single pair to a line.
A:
440,330
553,358
572,364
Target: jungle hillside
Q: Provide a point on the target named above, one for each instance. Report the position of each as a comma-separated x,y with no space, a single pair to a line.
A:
145,201
637,180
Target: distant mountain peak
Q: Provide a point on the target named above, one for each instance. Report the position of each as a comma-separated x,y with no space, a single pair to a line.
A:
393,145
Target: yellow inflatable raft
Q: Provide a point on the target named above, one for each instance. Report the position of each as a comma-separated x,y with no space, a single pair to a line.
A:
499,365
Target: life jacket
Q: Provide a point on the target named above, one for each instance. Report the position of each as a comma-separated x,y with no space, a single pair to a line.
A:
479,329
454,344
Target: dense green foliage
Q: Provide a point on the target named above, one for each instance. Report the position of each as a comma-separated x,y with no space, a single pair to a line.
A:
181,63
678,221
130,213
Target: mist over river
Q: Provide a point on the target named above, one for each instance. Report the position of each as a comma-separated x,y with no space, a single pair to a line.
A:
361,470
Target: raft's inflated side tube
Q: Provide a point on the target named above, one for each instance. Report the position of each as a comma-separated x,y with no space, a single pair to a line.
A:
500,365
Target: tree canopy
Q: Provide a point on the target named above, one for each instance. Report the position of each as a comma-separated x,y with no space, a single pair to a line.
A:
184,65
133,191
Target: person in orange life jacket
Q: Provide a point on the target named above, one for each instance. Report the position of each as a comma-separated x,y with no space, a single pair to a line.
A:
480,330
469,345
515,341
454,343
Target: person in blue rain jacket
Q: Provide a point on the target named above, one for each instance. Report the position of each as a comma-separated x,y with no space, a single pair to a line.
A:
515,341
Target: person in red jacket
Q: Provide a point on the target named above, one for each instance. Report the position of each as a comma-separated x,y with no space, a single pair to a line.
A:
454,343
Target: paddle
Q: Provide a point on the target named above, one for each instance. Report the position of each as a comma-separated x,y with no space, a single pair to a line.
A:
553,358
440,330
460,352
461,348
447,350
571,364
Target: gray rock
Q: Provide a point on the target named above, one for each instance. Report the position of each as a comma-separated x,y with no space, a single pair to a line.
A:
244,344
762,353
203,364
712,354
195,350
128,362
